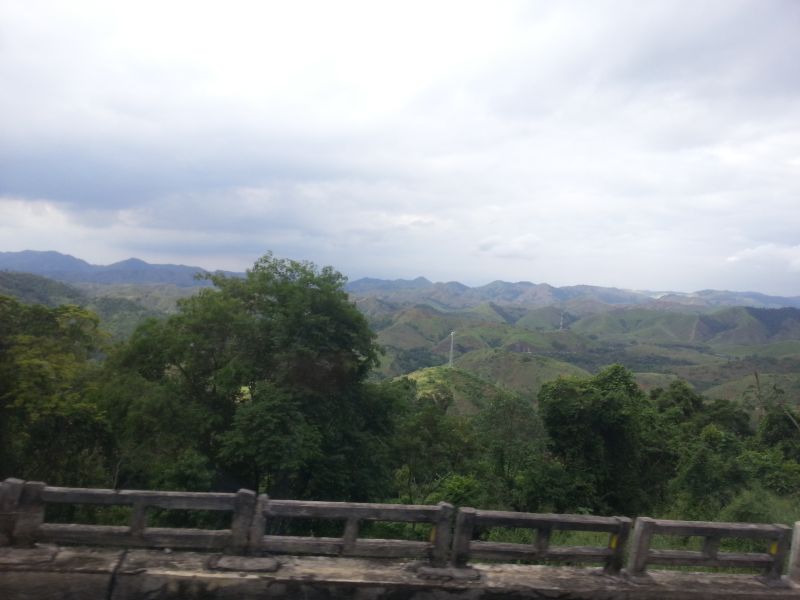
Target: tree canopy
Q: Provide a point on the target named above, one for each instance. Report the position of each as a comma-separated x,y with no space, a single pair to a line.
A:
269,372
48,427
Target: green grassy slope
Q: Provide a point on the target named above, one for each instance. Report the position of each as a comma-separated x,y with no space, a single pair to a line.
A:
517,371
468,391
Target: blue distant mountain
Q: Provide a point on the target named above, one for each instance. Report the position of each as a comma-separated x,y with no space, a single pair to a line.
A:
452,294
66,268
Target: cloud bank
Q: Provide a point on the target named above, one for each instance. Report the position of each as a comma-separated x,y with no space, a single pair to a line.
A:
642,145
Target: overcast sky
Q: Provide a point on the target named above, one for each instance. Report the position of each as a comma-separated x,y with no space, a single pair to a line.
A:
650,145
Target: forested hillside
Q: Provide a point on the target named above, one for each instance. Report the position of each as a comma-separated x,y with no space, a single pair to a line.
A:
723,352
119,314
277,382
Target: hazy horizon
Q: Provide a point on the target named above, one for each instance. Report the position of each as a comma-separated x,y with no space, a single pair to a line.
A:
472,284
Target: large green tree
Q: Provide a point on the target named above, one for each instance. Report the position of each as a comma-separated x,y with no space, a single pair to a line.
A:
49,429
266,377
512,444
606,432
432,448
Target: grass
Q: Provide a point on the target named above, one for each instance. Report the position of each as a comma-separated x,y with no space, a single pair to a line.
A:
469,392
517,371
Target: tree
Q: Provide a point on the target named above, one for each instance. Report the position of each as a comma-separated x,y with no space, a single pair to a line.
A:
271,370
512,442
709,474
430,446
48,428
271,437
605,431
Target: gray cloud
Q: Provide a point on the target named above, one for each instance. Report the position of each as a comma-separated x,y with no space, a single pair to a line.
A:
617,143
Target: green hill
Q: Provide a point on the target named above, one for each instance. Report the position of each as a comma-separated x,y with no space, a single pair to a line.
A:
33,289
490,312
546,318
788,348
468,391
505,313
745,388
422,325
520,372
649,381
737,325
518,347
119,316
639,324
158,297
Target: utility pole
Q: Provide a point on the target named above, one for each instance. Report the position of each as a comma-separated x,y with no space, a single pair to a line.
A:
452,336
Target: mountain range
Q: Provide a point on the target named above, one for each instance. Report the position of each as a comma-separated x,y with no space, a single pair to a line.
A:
578,299
581,298
514,336
66,268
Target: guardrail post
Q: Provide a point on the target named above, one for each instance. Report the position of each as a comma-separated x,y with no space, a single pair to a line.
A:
259,524
30,513
640,546
350,536
138,518
465,524
542,541
711,546
778,550
794,555
442,536
616,543
10,491
244,508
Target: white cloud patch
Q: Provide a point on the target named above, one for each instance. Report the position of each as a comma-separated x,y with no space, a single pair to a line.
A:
521,247
773,256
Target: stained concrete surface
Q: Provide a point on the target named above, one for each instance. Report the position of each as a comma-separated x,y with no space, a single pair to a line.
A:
52,573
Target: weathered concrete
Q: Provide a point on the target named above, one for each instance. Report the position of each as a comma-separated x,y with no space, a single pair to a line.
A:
23,508
53,573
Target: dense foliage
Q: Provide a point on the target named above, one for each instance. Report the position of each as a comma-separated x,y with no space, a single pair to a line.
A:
262,382
49,423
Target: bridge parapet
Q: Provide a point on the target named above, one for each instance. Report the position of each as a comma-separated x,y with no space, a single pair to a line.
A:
437,550
611,555
770,562
31,498
24,505
23,523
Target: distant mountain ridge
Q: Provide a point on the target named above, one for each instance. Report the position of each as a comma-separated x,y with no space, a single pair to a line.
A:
577,298
452,295
66,268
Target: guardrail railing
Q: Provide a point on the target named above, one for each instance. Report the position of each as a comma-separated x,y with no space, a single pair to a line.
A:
469,519
353,514
22,521
23,504
770,562
31,498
